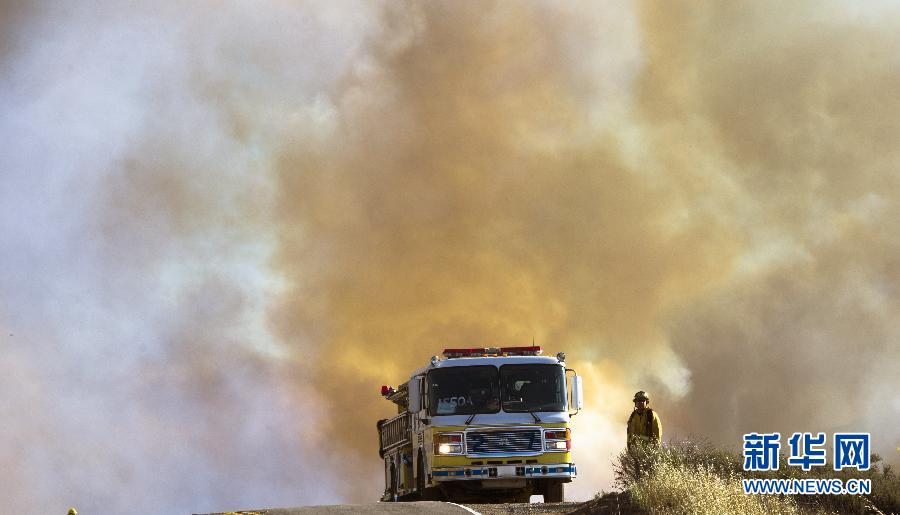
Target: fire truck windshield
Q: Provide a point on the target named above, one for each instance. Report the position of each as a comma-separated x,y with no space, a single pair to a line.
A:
533,388
463,390
482,389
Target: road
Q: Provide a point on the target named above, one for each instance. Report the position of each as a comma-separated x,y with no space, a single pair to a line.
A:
439,508
615,503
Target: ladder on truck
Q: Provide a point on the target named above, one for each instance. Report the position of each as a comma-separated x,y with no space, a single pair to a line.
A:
393,433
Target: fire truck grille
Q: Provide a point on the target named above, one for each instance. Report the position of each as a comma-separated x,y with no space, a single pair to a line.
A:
527,441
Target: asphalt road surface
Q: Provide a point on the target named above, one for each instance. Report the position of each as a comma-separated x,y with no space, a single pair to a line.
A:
439,508
611,503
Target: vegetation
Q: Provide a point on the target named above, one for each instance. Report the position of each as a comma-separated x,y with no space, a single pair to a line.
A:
695,477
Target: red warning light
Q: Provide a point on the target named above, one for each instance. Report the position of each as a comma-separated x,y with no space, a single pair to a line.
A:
532,350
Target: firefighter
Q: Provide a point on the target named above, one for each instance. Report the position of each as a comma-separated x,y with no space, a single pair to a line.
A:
643,424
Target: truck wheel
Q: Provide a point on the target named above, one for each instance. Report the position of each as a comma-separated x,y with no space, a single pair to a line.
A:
522,497
420,477
426,493
393,483
553,492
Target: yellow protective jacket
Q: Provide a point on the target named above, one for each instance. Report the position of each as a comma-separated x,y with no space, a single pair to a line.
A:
642,427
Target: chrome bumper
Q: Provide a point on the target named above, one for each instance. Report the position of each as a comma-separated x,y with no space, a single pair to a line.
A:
483,472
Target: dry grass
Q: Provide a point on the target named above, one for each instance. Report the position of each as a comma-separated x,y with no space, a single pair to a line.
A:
679,489
696,477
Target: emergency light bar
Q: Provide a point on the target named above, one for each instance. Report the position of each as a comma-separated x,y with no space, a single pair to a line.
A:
532,350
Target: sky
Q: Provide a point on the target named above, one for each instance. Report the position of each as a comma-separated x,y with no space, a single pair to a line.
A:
227,224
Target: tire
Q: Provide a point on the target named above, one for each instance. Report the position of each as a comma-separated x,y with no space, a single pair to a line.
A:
553,492
420,477
426,493
522,497
393,490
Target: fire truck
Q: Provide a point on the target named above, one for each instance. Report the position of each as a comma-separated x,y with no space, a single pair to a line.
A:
485,424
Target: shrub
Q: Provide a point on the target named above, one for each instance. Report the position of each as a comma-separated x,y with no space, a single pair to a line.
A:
693,476
679,489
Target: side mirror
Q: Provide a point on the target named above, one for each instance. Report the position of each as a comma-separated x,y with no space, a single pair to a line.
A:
576,391
415,395
578,394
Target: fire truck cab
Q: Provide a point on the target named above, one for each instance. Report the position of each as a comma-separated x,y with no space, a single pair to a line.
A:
487,424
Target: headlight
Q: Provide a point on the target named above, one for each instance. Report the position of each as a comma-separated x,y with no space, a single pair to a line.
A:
557,440
448,443
449,448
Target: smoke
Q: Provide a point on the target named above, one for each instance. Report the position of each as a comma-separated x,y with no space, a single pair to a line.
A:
227,225
136,205
482,195
794,113
475,200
